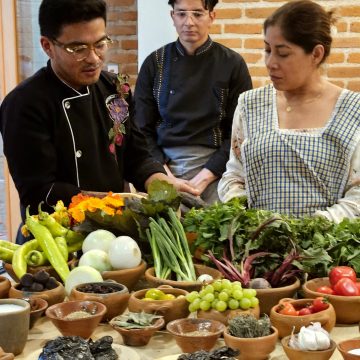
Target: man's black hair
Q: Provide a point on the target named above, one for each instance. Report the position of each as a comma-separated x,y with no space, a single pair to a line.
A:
208,4
55,14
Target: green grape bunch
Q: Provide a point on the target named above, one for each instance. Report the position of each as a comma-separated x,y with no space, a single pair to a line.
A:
222,295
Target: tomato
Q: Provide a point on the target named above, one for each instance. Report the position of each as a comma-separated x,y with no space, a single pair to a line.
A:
287,309
320,303
339,272
346,287
325,290
358,286
305,311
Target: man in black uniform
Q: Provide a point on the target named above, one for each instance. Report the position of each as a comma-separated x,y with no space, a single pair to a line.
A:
69,128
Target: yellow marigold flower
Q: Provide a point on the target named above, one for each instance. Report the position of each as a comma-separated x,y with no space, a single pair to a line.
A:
94,204
108,210
114,201
77,214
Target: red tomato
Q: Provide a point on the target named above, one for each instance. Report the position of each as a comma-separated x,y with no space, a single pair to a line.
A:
287,309
305,311
339,272
320,303
346,287
358,286
325,290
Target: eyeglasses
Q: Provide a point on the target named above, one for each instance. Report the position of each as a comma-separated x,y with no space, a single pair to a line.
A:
82,51
194,14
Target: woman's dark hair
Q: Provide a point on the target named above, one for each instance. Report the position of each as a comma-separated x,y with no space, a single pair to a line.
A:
54,14
208,4
305,24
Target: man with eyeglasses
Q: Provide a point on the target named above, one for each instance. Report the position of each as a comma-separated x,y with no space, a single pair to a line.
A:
185,97
58,126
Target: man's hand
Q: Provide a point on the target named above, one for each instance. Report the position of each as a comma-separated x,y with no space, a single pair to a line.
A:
179,184
202,179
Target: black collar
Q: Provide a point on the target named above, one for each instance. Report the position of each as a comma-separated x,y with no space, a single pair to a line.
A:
200,50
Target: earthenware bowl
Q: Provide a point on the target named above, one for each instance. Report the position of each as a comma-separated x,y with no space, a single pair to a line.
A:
34,269
127,277
296,354
195,334
37,309
253,348
170,309
6,356
345,346
225,316
53,296
270,297
186,285
4,287
286,323
82,327
139,337
347,308
115,302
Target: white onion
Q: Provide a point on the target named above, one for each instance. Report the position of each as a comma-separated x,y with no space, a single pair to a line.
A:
98,259
124,253
99,239
81,275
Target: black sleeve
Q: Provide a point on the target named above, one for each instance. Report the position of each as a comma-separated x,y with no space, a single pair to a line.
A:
147,115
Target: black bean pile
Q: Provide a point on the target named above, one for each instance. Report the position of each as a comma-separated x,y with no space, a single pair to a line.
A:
99,288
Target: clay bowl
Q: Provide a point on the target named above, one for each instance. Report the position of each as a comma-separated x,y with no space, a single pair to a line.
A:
37,309
82,327
295,354
127,277
6,356
270,297
170,309
286,323
252,348
52,296
4,287
139,337
186,285
195,334
347,308
34,269
345,346
226,315
115,302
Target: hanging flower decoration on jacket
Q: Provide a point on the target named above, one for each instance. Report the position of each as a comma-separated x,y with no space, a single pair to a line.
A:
119,111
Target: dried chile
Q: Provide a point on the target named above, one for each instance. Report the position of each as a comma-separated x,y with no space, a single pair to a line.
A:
223,353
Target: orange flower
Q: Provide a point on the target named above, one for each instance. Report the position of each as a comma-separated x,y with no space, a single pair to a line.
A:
77,199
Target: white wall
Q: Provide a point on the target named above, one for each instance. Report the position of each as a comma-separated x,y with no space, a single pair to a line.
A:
155,27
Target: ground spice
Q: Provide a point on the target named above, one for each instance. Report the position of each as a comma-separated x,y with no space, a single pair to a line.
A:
77,315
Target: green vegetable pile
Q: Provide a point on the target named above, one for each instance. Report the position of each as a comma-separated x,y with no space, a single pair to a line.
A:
231,227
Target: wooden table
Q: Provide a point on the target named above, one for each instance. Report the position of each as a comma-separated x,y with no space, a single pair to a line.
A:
160,345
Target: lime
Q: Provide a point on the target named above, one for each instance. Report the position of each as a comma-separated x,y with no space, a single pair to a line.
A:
154,294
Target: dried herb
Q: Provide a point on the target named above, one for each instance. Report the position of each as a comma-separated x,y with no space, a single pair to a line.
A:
247,326
223,353
133,320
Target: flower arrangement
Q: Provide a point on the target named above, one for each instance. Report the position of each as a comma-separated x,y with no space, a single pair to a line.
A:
84,205
119,111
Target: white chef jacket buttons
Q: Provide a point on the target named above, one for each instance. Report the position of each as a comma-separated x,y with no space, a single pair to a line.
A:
172,92
78,153
67,105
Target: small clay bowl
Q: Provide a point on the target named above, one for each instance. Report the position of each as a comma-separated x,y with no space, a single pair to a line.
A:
53,296
253,348
139,337
115,302
186,285
170,309
34,269
225,316
345,346
296,354
286,323
6,356
82,327
4,287
347,308
127,277
195,334
37,309
270,297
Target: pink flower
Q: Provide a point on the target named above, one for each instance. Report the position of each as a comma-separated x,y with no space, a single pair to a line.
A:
112,148
119,139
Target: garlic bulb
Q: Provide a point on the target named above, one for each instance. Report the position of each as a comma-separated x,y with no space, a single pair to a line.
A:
311,338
